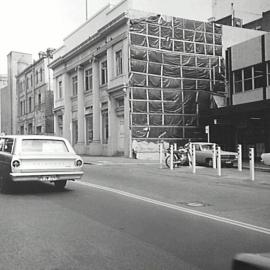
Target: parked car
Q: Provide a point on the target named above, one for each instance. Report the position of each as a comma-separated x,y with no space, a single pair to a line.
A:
37,158
204,154
265,158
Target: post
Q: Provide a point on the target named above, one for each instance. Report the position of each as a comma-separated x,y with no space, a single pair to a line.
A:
193,159
251,164
219,160
160,155
171,160
207,131
239,157
214,156
175,146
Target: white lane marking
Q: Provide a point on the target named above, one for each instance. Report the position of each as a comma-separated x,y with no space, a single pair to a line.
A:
179,208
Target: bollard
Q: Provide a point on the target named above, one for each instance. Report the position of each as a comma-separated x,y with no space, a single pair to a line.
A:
251,164
175,146
239,157
214,157
219,160
161,155
171,160
193,159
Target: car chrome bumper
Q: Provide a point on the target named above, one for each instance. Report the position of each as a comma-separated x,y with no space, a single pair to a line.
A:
40,176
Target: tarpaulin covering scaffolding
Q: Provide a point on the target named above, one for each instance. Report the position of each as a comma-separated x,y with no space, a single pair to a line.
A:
176,68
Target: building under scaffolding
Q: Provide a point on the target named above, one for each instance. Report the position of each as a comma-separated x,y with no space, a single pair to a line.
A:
175,72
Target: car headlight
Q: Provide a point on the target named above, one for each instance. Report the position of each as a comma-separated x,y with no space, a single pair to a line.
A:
16,163
78,163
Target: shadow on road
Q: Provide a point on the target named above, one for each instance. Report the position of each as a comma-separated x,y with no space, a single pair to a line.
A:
27,188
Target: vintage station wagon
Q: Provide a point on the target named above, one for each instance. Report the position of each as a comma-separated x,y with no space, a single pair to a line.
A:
37,158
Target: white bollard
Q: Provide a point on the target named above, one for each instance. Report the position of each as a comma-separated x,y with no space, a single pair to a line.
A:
193,159
251,164
219,161
171,160
175,146
161,155
239,157
214,157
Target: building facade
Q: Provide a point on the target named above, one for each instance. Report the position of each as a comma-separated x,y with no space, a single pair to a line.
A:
246,118
35,97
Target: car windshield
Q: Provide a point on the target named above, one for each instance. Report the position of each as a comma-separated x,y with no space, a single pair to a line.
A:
43,146
206,147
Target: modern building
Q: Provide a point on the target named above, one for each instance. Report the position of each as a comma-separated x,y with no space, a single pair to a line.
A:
246,118
35,97
126,77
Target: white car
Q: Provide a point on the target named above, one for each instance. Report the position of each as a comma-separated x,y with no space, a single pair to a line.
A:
37,158
265,158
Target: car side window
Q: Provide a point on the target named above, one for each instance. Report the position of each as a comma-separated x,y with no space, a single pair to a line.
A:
197,147
6,145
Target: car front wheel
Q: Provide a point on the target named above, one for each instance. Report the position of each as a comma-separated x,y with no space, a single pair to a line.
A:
60,185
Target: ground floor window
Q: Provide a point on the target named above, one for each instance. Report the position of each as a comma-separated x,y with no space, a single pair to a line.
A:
75,131
22,130
105,127
89,128
38,130
30,128
60,125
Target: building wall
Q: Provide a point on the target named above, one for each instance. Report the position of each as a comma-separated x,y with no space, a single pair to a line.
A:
16,63
5,110
35,99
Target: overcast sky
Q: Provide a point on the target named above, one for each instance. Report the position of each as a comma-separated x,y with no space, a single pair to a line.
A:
31,26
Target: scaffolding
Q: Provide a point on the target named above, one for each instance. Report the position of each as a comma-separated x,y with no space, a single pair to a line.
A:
175,70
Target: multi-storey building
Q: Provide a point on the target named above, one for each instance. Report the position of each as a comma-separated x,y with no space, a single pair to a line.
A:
35,97
126,77
246,118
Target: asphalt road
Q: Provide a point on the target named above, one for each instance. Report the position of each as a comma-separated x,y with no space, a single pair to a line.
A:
123,217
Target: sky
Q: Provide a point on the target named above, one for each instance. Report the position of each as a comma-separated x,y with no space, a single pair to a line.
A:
31,26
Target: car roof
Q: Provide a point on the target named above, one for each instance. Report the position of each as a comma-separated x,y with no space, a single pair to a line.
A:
32,137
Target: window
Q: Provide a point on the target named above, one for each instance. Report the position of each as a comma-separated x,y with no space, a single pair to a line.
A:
6,145
258,75
43,146
31,80
104,77
36,77
39,100
89,128
30,104
21,108
238,81
22,130
248,78
88,79
105,126
75,85
74,131
40,73
30,128
60,93
268,73
38,130
27,83
119,63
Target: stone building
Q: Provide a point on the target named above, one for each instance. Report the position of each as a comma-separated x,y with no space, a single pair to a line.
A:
35,97
126,77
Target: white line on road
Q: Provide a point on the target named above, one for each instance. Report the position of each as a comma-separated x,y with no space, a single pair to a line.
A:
179,208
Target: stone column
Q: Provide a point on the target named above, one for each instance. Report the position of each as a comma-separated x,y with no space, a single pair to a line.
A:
96,103
81,131
67,110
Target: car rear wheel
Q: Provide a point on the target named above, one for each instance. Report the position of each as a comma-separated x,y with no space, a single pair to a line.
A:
60,185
